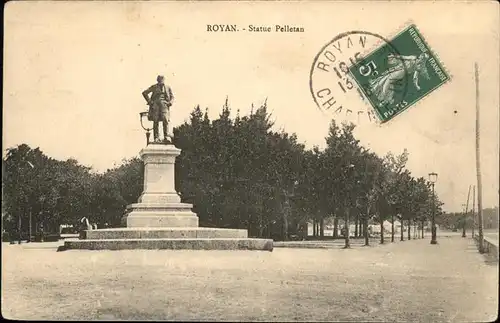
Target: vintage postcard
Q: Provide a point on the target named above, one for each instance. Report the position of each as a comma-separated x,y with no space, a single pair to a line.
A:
251,160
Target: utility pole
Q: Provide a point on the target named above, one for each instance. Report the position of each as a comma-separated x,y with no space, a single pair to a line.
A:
478,167
432,180
473,209
465,214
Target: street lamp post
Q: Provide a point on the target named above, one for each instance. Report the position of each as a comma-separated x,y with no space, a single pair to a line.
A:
41,231
464,220
29,231
144,115
466,207
432,180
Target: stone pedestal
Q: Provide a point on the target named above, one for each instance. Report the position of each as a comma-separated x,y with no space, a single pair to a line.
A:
159,174
159,204
160,220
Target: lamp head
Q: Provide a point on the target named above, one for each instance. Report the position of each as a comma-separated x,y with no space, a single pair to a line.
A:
145,115
433,177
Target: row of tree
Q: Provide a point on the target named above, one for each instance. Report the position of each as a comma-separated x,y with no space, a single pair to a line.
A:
238,173
49,192
456,220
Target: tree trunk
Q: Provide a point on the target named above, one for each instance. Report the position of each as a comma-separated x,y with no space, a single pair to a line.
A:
382,231
409,229
322,228
361,233
392,228
423,229
347,241
314,227
381,222
356,226
402,229
365,231
261,230
248,224
335,228
360,225
285,223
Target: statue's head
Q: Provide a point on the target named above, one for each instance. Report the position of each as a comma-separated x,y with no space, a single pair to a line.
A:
160,79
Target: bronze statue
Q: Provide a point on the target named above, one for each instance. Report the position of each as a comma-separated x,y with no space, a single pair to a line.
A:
159,106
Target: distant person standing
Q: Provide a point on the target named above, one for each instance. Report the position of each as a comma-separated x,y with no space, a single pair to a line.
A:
159,106
84,225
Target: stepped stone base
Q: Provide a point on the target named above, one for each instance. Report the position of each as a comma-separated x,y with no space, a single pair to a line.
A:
194,238
151,215
160,220
174,244
145,220
164,233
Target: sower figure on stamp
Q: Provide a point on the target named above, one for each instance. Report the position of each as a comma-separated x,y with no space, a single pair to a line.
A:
159,106
383,87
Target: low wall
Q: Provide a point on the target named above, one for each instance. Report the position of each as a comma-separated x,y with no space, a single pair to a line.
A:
490,246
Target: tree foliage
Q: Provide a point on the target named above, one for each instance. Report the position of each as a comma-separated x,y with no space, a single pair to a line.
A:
237,172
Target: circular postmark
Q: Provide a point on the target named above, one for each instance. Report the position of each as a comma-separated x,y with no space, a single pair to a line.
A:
358,66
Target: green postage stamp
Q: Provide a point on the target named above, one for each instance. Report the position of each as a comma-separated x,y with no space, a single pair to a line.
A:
398,74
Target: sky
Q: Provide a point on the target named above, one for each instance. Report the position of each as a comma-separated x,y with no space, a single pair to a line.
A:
74,73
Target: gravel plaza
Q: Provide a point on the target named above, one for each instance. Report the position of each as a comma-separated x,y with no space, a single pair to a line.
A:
410,281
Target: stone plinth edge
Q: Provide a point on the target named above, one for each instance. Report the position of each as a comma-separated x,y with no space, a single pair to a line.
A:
165,233
159,153
171,244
